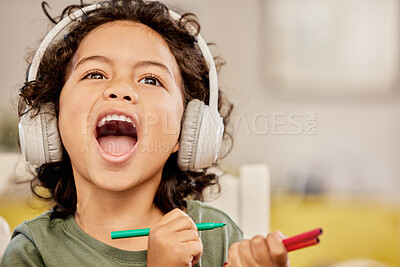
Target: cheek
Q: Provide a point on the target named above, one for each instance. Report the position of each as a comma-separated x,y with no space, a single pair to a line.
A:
162,112
170,115
73,115
65,123
65,109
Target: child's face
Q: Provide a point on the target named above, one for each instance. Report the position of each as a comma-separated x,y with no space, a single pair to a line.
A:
121,68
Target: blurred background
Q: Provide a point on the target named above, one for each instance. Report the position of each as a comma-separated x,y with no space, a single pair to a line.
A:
315,85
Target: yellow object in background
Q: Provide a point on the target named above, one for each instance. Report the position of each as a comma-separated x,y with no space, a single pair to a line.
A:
17,210
353,227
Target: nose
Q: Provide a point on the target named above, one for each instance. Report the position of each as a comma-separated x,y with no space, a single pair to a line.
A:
121,92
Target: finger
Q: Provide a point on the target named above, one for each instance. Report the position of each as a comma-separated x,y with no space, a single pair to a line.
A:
196,250
172,215
234,256
281,235
259,250
186,236
277,250
246,254
180,224
190,251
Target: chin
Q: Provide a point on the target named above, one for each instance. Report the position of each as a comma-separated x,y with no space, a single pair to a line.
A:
116,182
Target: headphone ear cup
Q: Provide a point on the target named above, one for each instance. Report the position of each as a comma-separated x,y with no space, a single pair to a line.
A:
189,140
39,137
201,137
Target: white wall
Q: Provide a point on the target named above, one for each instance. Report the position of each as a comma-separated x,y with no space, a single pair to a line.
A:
356,146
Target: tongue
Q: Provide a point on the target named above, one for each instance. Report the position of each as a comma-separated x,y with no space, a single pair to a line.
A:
116,145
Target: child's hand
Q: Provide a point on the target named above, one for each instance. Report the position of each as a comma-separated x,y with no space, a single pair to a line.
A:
259,251
174,241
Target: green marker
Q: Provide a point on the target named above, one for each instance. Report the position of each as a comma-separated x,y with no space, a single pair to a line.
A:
146,231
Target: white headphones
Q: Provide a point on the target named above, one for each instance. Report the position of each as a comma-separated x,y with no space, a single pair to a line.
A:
202,125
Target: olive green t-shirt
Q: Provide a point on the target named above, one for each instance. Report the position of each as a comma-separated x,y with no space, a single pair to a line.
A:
61,242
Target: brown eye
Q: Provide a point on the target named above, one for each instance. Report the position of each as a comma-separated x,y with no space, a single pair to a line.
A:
151,81
95,75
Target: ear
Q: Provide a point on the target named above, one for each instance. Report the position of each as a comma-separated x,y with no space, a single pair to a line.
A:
176,147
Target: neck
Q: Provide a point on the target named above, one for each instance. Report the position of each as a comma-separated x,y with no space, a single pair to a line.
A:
100,211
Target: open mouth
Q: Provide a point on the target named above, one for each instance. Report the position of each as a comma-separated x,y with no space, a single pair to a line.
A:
116,134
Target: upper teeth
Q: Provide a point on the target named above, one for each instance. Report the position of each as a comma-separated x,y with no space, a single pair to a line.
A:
114,118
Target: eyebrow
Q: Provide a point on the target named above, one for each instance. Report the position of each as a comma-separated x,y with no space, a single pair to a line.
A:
140,64
147,63
93,58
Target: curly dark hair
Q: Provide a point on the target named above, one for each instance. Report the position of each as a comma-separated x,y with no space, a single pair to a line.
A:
175,185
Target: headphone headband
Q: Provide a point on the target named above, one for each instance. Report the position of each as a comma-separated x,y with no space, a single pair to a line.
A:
65,22
77,15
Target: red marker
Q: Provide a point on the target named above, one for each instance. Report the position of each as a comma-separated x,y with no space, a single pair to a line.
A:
302,244
300,241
